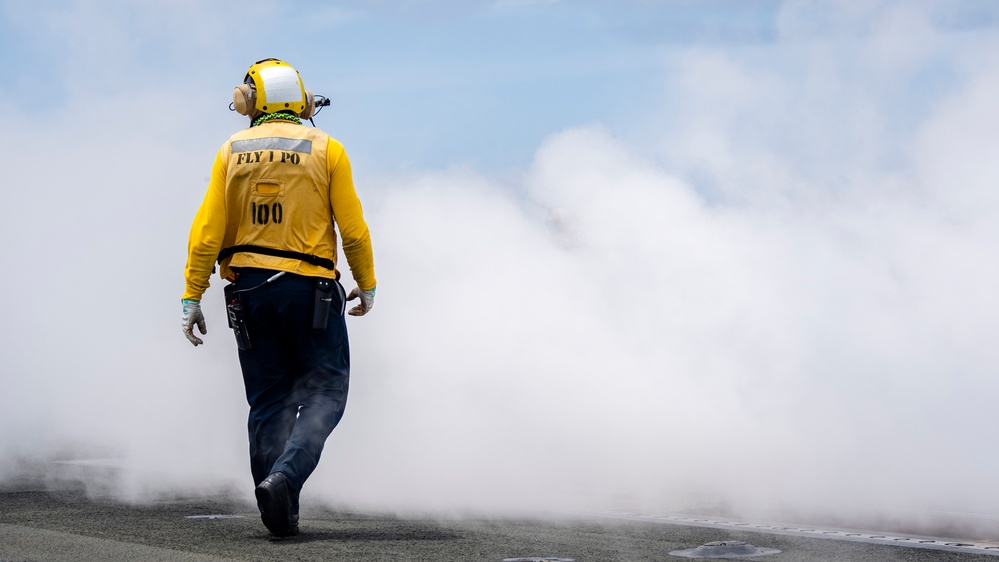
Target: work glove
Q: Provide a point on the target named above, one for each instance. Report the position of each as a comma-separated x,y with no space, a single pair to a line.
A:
367,301
192,315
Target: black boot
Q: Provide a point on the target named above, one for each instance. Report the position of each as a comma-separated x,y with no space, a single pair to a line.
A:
275,499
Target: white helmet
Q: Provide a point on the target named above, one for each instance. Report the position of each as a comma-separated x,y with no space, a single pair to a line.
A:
272,85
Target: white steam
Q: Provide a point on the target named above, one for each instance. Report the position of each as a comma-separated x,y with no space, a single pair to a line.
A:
808,327
782,298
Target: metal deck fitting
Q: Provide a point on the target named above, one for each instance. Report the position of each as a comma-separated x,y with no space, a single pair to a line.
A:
536,559
724,549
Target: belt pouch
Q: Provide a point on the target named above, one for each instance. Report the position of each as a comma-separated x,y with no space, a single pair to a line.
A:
234,312
321,303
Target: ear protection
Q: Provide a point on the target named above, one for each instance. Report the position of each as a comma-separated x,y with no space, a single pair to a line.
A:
310,106
245,98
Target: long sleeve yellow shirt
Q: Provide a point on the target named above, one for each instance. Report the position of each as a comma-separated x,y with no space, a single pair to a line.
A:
282,186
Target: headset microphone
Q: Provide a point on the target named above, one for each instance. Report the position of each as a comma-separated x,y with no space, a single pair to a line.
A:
319,103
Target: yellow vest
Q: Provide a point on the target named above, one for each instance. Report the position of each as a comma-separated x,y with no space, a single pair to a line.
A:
282,186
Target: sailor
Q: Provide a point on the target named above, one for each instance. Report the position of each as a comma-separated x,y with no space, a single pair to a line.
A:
278,193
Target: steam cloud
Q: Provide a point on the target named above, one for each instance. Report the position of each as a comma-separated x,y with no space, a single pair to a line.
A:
779,294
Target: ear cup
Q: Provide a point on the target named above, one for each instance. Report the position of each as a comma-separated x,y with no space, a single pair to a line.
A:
242,99
310,106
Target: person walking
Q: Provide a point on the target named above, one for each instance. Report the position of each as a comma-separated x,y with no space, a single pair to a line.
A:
278,193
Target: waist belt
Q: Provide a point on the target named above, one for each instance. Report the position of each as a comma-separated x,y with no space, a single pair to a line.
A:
289,254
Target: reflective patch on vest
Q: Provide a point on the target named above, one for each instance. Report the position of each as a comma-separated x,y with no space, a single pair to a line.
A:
273,143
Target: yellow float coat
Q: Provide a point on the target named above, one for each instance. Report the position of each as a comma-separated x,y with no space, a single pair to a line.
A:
283,186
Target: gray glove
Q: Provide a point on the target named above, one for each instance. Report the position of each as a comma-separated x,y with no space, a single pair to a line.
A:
192,315
367,301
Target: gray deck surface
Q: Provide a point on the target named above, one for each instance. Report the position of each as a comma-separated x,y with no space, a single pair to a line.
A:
69,525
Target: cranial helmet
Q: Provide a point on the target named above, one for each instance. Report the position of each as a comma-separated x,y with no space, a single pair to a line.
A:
272,85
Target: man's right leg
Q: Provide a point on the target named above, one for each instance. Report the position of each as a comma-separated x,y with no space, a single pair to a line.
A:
321,391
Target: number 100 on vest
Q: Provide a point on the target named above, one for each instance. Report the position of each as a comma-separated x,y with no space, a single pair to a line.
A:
262,213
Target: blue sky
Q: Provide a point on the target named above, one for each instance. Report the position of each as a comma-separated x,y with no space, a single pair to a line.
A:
415,84
428,84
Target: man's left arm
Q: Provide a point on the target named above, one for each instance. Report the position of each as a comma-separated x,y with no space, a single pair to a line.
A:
203,245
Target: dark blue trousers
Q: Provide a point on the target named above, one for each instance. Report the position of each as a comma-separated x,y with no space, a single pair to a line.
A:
296,378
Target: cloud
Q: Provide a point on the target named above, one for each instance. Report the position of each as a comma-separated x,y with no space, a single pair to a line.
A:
808,334
654,349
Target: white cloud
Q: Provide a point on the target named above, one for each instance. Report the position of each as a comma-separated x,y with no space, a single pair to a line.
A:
812,336
955,150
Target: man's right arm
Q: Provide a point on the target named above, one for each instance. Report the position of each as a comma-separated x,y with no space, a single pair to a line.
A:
349,217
